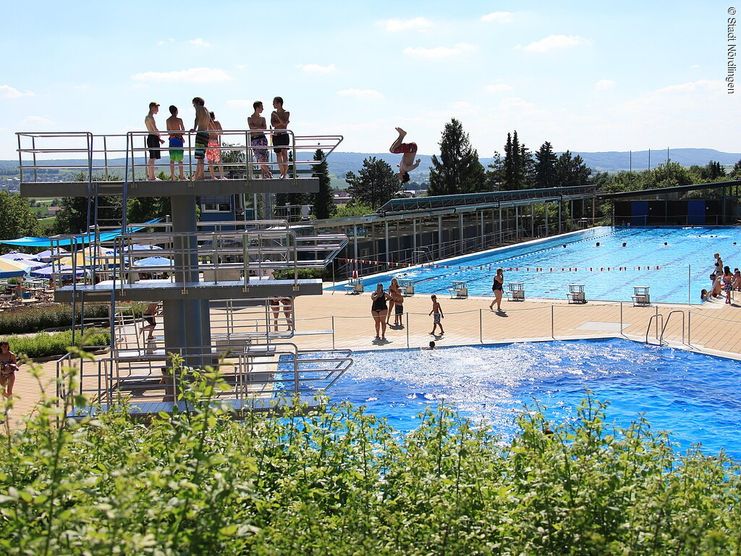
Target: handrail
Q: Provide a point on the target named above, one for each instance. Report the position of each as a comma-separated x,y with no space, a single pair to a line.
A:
668,318
656,316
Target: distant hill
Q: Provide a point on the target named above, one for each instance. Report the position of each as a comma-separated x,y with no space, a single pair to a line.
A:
340,163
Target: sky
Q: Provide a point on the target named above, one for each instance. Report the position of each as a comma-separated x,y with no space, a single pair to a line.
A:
586,76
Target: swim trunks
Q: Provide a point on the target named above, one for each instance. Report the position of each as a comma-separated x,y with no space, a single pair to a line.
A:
213,153
153,144
201,144
436,318
176,149
280,142
399,309
405,148
150,320
260,148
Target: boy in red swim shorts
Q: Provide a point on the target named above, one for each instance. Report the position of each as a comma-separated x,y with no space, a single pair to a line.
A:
407,151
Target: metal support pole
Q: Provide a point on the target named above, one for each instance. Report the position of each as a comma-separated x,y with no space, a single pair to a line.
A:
560,223
386,229
689,328
461,233
545,210
689,284
657,322
439,236
501,234
481,326
553,324
517,222
407,327
532,220
414,240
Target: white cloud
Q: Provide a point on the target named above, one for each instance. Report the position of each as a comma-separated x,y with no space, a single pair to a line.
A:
36,121
604,85
695,66
192,75
199,42
498,88
703,85
555,42
317,69
498,17
163,42
6,91
239,103
440,52
364,94
413,24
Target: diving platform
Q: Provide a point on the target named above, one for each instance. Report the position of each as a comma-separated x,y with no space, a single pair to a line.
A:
166,290
169,188
219,294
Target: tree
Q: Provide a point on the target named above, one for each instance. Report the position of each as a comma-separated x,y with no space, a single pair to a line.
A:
713,171
736,173
323,200
495,173
571,170
16,218
375,183
518,164
458,169
545,166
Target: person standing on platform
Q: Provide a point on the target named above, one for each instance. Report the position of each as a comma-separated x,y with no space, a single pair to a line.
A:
497,287
408,152
437,316
258,140
8,368
213,152
201,126
279,119
175,125
153,139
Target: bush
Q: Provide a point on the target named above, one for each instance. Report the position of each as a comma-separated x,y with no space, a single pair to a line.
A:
46,344
340,482
23,320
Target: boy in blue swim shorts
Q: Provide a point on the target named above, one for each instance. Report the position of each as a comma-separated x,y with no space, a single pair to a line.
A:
175,125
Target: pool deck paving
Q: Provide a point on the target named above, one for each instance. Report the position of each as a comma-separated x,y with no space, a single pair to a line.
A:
714,327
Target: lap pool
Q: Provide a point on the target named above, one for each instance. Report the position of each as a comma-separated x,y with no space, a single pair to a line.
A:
675,262
692,396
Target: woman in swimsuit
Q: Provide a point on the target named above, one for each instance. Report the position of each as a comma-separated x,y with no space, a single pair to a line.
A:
393,290
727,283
379,310
8,367
496,287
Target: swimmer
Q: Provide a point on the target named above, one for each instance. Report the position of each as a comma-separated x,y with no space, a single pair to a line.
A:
407,151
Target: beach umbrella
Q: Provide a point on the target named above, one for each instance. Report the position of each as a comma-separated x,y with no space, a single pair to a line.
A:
153,262
54,271
12,269
24,259
84,257
45,256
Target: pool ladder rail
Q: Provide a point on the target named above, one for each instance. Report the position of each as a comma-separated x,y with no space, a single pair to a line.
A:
659,318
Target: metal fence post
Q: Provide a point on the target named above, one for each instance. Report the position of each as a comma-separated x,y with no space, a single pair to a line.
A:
553,325
407,327
481,326
689,328
333,332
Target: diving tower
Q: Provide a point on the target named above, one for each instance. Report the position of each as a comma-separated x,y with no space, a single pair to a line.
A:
206,272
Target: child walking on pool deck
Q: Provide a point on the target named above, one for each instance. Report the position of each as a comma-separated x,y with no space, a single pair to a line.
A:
437,316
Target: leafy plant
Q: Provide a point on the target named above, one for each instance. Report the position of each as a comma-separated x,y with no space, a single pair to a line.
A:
341,482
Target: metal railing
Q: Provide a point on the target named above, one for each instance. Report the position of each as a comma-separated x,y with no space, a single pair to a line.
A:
45,157
251,252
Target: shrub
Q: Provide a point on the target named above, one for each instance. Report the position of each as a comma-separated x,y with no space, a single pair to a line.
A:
46,344
23,320
341,482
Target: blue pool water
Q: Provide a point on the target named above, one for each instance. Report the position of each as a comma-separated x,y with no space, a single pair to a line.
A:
608,271
692,396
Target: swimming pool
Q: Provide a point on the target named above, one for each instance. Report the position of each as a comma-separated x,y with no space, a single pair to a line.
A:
675,262
692,396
